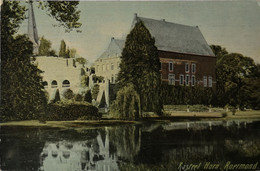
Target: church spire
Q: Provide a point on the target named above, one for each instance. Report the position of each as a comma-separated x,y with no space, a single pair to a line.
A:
32,29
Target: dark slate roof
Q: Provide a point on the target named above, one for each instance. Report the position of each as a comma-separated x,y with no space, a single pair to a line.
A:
176,37
115,48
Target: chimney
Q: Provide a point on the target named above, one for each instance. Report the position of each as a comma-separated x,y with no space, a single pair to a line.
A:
135,15
163,20
112,38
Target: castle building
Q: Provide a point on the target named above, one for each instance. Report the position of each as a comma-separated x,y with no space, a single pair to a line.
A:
107,65
185,56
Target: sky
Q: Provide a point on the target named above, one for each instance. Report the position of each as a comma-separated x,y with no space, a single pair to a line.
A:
234,24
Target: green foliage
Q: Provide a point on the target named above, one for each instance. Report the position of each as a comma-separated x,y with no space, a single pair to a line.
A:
62,52
45,48
97,78
71,111
78,98
140,66
81,60
22,95
88,97
68,94
95,91
73,53
127,104
65,12
182,95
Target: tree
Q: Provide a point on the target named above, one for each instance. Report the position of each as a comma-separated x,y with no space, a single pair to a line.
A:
140,66
57,96
232,71
88,97
45,47
73,53
81,60
127,103
62,52
68,94
22,95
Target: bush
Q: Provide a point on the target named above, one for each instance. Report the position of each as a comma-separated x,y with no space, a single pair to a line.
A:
68,94
88,97
72,111
78,98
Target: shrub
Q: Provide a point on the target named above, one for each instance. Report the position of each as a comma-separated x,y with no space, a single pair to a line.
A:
72,111
88,97
78,98
95,91
68,94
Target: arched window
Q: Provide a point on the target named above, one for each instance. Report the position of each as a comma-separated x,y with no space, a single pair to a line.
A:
45,84
66,83
54,84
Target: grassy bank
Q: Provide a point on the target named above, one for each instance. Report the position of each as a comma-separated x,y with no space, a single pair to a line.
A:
177,116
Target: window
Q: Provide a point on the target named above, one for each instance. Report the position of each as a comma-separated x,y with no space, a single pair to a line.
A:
170,66
205,81
97,68
181,79
107,67
210,81
118,65
187,67
193,68
161,65
171,78
66,83
45,84
103,68
193,80
116,75
112,78
187,81
54,84
112,66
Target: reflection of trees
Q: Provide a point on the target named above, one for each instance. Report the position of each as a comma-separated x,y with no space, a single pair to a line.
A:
247,148
127,141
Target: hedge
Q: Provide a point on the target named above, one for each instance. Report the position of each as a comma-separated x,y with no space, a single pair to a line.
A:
65,112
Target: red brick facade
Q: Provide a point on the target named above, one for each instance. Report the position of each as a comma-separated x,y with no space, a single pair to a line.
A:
197,69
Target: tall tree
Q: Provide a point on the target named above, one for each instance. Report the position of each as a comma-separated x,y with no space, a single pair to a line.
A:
62,52
140,66
45,47
22,95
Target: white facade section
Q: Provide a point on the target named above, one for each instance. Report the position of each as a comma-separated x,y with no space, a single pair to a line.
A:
64,71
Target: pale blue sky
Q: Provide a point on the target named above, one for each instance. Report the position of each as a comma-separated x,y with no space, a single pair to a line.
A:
234,25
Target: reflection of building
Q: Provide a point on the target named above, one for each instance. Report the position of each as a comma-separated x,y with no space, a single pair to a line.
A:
85,155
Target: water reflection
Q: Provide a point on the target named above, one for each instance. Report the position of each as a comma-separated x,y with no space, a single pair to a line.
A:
151,146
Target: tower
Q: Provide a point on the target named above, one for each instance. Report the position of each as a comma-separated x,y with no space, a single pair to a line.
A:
32,29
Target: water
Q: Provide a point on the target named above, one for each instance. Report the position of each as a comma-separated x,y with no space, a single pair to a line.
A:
150,146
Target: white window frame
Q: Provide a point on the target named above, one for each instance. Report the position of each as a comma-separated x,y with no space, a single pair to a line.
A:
187,80
171,79
193,80
205,84
193,68
210,81
187,64
181,81
170,64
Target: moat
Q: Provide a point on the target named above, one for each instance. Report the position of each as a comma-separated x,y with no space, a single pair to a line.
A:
220,145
